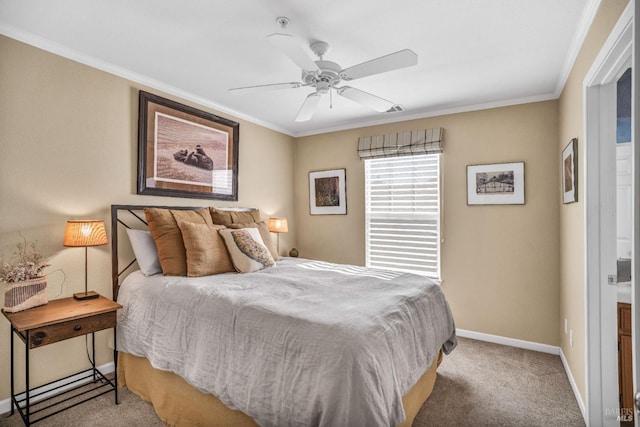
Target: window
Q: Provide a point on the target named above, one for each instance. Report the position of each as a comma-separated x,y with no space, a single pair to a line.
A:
402,213
623,107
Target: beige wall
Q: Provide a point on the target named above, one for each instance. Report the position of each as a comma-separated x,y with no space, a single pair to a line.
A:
572,250
500,264
68,149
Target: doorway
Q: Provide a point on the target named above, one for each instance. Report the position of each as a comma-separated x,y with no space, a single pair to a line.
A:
607,206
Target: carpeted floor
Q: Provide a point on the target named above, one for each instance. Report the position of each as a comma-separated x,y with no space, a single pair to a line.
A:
479,384
484,384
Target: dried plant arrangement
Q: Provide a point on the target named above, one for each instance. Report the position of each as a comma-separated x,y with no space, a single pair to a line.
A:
26,263
26,283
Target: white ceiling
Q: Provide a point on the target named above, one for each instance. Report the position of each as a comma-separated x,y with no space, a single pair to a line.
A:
472,54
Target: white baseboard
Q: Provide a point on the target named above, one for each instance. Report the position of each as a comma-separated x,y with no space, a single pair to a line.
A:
574,386
512,342
5,405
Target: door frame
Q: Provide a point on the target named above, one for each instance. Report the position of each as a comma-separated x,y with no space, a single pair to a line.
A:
600,311
635,125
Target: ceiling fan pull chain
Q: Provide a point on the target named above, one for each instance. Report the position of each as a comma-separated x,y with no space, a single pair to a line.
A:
330,99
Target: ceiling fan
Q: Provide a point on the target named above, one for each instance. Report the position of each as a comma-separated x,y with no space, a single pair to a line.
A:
324,76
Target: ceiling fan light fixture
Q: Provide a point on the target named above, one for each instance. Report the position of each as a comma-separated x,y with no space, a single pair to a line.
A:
322,87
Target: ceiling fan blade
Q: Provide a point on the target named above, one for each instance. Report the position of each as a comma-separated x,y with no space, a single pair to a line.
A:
264,88
308,107
393,61
365,98
290,47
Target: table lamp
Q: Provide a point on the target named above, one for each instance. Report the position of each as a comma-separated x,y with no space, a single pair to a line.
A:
278,225
85,233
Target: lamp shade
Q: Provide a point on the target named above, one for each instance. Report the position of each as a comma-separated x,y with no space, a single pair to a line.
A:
278,225
85,233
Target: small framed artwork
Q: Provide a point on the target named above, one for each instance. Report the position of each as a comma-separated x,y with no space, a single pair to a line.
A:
570,172
328,192
185,152
495,184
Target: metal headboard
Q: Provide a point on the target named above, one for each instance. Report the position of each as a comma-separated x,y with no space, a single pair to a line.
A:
136,217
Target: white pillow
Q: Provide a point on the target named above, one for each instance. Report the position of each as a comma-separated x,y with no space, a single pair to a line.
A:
247,249
144,249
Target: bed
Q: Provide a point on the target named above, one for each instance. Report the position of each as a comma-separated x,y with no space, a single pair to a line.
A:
295,342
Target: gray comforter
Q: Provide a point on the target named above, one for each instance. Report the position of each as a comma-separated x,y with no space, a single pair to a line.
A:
305,343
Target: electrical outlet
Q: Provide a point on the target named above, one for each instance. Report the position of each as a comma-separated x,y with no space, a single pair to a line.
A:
571,337
566,326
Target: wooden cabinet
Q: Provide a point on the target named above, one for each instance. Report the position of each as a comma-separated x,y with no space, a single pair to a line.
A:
625,361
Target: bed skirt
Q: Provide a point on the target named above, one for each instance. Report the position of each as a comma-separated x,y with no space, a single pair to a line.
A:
177,403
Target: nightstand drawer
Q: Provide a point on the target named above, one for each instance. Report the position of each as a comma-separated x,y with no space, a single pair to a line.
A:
73,328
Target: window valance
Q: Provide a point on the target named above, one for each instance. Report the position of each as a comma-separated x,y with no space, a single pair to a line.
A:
409,143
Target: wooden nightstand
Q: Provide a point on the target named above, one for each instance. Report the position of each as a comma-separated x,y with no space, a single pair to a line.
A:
59,320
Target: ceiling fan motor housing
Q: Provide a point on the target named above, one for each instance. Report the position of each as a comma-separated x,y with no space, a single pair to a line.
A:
329,74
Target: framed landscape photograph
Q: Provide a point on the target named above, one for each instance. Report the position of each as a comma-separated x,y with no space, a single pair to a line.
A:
185,152
328,192
570,172
495,184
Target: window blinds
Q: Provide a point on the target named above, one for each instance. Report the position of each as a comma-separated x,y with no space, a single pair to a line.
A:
409,143
403,213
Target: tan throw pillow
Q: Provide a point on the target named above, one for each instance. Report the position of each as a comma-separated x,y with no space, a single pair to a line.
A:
206,251
247,251
263,228
227,218
163,225
220,217
239,217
